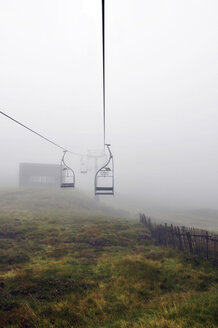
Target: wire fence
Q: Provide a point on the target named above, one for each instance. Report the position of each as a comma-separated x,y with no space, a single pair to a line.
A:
195,241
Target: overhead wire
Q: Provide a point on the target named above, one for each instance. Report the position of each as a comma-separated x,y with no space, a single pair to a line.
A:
104,113
103,62
104,95
38,134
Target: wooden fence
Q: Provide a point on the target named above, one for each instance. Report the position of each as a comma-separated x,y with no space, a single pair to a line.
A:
193,240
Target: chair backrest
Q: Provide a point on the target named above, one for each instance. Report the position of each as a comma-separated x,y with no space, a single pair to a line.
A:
104,178
67,175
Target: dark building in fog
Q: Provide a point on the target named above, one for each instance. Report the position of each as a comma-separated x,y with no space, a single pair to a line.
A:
39,175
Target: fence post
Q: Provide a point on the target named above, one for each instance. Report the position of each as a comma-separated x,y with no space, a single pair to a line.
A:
180,240
189,241
207,240
172,236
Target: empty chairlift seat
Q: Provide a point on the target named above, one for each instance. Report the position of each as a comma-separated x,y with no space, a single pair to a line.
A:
67,174
104,178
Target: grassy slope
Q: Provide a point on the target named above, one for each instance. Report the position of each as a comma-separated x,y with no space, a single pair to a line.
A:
65,264
202,218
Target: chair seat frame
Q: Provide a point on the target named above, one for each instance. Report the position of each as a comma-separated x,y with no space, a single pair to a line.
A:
66,172
101,174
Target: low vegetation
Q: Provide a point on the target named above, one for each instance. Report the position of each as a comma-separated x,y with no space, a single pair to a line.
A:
64,268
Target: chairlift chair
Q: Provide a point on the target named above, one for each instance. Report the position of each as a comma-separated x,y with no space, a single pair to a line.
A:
104,178
67,175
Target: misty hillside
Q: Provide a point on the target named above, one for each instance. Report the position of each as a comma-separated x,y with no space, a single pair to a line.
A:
104,98
75,201
204,218
199,217
64,264
56,200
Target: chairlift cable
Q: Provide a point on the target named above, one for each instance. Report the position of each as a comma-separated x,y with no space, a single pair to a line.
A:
104,177
38,134
103,62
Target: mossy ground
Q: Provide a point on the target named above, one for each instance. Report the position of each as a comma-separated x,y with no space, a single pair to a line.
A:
61,270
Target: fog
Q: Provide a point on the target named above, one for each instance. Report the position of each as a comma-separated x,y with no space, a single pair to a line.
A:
161,87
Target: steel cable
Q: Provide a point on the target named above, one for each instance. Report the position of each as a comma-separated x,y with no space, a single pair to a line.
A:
38,134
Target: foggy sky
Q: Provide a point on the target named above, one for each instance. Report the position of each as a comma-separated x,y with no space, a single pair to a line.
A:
161,66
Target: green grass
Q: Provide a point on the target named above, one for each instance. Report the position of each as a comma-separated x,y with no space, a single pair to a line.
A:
61,267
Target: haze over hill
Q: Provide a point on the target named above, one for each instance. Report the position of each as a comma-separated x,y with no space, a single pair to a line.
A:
15,200
197,216
56,200
76,76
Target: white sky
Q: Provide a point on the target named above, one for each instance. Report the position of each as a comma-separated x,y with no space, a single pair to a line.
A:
162,65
